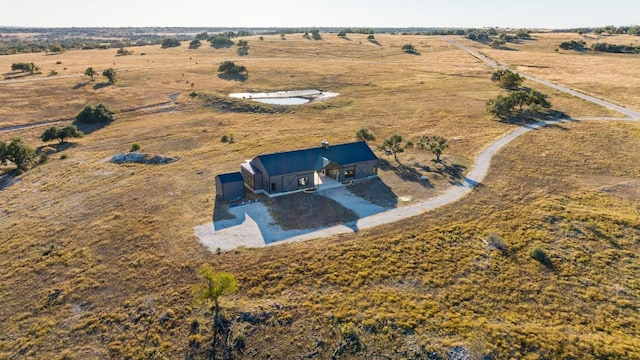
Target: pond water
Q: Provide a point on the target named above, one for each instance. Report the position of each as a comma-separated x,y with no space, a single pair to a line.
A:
288,97
283,101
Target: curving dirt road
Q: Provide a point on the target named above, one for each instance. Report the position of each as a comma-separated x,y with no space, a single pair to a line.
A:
255,228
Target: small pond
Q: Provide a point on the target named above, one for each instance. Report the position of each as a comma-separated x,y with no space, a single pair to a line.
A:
283,101
289,97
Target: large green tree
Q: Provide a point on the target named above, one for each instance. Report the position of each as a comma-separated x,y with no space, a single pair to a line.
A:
506,79
500,106
230,69
99,114
17,152
504,106
54,132
111,75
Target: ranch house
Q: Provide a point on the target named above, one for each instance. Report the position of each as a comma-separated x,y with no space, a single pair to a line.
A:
304,169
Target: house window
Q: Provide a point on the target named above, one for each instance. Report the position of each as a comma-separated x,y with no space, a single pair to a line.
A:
303,181
374,170
349,173
251,182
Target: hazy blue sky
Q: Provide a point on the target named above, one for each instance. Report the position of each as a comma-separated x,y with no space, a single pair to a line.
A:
308,13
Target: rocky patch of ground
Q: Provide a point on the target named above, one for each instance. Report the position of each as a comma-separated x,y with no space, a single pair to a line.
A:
141,158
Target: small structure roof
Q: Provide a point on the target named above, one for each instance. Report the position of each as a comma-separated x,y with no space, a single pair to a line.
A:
230,177
315,159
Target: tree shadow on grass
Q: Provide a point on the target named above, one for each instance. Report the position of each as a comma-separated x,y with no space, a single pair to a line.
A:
79,85
406,173
101,85
234,77
89,128
9,178
455,172
522,118
375,191
59,147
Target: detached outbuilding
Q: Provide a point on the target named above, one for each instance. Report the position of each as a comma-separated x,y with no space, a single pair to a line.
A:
230,186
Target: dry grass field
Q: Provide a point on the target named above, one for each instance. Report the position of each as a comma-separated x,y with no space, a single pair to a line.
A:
615,77
100,259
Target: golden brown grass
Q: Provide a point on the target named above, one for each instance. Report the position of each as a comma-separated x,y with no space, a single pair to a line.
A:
96,254
613,77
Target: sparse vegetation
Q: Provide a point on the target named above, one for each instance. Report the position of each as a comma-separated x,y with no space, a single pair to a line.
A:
118,280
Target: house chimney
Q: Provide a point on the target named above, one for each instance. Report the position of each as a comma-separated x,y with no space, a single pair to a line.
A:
325,144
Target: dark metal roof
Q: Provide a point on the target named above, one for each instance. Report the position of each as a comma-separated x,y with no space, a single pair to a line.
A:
314,159
230,177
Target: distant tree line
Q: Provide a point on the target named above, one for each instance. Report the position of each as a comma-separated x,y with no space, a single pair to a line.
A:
600,47
495,38
614,48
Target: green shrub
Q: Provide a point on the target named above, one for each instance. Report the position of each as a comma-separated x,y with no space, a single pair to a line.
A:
539,254
496,242
63,156
135,147
224,138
